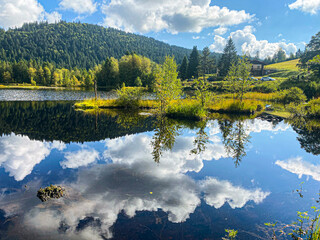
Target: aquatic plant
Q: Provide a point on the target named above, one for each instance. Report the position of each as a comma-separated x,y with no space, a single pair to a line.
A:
231,234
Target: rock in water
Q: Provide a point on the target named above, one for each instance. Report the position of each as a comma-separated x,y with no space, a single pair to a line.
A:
44,194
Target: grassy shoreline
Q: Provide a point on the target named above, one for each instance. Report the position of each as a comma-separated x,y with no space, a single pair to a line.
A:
182,109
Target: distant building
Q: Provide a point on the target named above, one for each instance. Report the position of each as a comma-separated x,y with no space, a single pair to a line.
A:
257,68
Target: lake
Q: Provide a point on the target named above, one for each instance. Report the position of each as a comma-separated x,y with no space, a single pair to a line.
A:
49,95
131,175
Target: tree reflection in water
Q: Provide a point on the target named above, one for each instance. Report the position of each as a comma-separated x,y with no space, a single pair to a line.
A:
235,138
201,140
309,133
164,137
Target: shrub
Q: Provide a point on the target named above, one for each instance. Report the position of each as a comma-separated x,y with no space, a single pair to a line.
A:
33,82
266,87
312,90
313,108
129,97
292,95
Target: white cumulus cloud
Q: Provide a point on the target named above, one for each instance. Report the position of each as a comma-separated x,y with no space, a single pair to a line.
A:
246,42
19,154
80,158
308,6
13,13
173,16
221,30
79,6
52,17
300,167
217,193
107,190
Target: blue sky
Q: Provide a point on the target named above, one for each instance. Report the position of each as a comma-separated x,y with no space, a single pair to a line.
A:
255,26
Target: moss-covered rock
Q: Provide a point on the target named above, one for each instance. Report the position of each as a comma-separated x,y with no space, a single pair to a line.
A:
44,194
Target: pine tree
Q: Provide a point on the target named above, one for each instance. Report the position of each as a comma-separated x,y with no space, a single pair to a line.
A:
183,69
193,64
281,55
228,57
206,63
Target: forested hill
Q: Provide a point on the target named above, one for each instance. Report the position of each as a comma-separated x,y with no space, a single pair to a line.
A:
79,45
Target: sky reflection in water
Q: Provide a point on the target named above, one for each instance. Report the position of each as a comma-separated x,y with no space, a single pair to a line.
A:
116,189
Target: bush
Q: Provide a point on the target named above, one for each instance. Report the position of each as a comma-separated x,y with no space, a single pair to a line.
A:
312,90
33,83
266,87
292,95
129,97
313,108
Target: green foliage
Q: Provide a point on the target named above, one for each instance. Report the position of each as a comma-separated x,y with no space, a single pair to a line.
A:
202,92
314,65
51,192
138,82
228,58
33,83
129,97
186,110
133,66
108,75
206,63
313,108
266,87
81,45
231,234
193,65
238,78
45,74
167,85
183,75
164,137
312,50
292,95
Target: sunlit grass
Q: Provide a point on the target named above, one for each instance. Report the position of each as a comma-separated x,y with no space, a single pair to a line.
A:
234,106
95,104
184,108
111,103
251,96
287,65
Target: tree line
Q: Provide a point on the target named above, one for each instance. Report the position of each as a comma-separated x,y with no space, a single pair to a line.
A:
45,74
81,45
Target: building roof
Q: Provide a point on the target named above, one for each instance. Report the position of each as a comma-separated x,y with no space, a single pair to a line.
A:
257,62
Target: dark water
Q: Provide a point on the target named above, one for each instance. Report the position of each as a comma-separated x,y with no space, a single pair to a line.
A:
135,176
49,95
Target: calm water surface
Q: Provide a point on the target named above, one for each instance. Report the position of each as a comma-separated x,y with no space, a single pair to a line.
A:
49,95
135,176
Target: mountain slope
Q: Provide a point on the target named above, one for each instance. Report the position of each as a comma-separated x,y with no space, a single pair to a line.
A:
79,45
